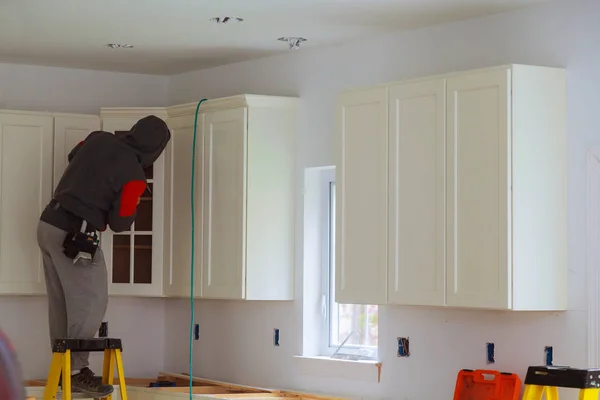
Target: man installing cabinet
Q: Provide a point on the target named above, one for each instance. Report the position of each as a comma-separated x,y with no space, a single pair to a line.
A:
101,187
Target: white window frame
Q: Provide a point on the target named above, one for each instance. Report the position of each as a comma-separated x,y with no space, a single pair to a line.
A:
327,180
328,304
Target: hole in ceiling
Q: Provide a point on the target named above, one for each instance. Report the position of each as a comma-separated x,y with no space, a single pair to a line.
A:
294,42
118,46
226,20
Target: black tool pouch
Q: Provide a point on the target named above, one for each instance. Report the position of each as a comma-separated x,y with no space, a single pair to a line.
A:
80,242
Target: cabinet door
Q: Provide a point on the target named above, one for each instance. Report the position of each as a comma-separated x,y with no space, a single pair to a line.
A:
135,258
225,149
69,130
417,193
361,198
25,189
178,202
478,197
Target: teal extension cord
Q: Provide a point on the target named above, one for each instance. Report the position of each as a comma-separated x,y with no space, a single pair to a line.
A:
192,190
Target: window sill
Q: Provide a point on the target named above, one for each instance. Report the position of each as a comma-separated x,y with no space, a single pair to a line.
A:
364,370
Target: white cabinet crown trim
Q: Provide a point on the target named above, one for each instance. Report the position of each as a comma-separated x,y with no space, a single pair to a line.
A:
445,75
246,100
132,112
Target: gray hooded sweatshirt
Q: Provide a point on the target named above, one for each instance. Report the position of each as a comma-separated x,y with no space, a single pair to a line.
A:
105,178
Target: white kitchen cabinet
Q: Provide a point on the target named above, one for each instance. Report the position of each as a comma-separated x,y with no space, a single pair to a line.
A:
135,258
416,224
506,189
246,209
69,130
178,209
362,198
474,200
25,189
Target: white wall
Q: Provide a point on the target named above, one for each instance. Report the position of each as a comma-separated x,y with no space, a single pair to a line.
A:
235,343
140,322
25,87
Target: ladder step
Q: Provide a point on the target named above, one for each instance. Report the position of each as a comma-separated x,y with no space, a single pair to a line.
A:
91,345
563,377
74,395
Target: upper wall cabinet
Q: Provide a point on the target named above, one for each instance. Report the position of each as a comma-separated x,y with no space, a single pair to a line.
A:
506,189
135,258
25,189
244,198
361,198
476,190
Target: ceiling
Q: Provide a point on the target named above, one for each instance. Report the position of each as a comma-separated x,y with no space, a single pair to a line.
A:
173,36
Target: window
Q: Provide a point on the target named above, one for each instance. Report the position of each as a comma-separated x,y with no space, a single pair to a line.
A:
350,331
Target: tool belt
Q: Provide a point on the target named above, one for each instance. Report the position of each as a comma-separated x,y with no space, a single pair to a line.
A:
79,244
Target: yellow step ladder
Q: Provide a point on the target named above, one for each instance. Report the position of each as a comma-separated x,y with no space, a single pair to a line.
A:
61,363
547,380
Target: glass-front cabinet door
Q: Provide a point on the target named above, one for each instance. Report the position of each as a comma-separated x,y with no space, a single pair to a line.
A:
134,258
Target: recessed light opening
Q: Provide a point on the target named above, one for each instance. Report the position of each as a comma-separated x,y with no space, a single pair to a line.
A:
226,20
118,46
294,42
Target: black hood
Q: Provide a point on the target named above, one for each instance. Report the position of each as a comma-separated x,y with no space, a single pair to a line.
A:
148,137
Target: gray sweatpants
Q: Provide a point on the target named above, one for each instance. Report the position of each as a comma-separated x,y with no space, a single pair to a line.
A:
77,293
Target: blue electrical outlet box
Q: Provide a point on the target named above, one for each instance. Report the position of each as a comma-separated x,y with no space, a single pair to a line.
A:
491,358
548,355
403,349
103,332
276,337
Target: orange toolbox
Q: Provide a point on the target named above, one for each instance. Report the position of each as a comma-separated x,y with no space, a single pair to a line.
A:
482,384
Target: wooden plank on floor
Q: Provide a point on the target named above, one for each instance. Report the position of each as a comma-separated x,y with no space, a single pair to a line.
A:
208,382
259,396
251,396
35,383
216,389
285,394
306,396
195,389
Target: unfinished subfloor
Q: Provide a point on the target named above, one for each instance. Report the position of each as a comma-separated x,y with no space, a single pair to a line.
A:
137,389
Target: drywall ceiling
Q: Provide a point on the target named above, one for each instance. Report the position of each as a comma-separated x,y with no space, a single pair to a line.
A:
173,36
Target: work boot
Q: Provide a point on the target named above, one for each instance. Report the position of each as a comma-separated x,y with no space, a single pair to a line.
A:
87,370
87,383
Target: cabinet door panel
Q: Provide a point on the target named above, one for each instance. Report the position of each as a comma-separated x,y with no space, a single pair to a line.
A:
68,132
177,282
361,199
417,193
478,224
135,258
225,148
25,189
